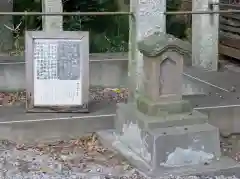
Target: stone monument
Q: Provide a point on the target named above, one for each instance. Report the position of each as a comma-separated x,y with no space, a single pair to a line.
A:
160,133
162,75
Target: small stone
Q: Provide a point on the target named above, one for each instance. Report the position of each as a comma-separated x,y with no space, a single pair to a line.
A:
206,163
233,89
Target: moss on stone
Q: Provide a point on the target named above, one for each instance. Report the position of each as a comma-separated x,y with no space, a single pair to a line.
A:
148,107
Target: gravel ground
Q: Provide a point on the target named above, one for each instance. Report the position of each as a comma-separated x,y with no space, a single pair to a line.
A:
82,158
79,158
231,147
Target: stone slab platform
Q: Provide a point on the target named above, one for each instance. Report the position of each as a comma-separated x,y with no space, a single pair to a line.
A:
127,113
17,125
224,99
221,88
224,79
223,166
227,119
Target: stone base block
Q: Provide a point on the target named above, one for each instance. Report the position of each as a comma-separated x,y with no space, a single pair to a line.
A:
224,166
162,143
151,108
128,113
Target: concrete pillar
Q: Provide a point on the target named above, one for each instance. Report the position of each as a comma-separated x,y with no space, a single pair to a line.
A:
6,36
148,19
205,36
52,23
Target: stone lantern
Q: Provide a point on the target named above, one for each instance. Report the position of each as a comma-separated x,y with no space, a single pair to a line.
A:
162,79
161,131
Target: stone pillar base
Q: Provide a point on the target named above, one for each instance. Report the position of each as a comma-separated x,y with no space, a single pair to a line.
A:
224,166
128,113
152,108
154,138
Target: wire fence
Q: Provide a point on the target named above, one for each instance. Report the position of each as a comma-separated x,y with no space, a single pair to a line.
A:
115,13
91,60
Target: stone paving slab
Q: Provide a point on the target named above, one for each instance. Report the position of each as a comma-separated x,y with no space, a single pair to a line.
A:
227,119
224,99
224,166
225,79
49,130
19,126
18,113
192,86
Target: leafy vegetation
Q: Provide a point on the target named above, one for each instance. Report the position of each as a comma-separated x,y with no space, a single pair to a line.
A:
174,25
107,33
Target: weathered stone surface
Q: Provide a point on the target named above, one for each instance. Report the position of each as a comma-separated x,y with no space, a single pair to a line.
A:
150,108
148,19
52,23
205,33
157,43
223,166
162,69
128,113
162,142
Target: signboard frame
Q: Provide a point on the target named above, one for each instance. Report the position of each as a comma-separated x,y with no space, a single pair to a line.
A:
30,36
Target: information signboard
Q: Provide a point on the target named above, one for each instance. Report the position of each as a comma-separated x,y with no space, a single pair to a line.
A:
57,69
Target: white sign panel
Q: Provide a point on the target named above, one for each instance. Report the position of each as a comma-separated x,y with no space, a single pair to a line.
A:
57,72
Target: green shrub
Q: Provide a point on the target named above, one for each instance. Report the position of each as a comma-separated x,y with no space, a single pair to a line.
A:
107,33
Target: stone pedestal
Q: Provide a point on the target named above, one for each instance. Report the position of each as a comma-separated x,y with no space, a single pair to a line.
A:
163,142
160,133
149,142
154,138
161,122
221,166
151,108
128,113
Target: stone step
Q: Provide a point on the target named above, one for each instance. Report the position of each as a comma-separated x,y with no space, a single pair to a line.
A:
21,127
223,166
128,113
